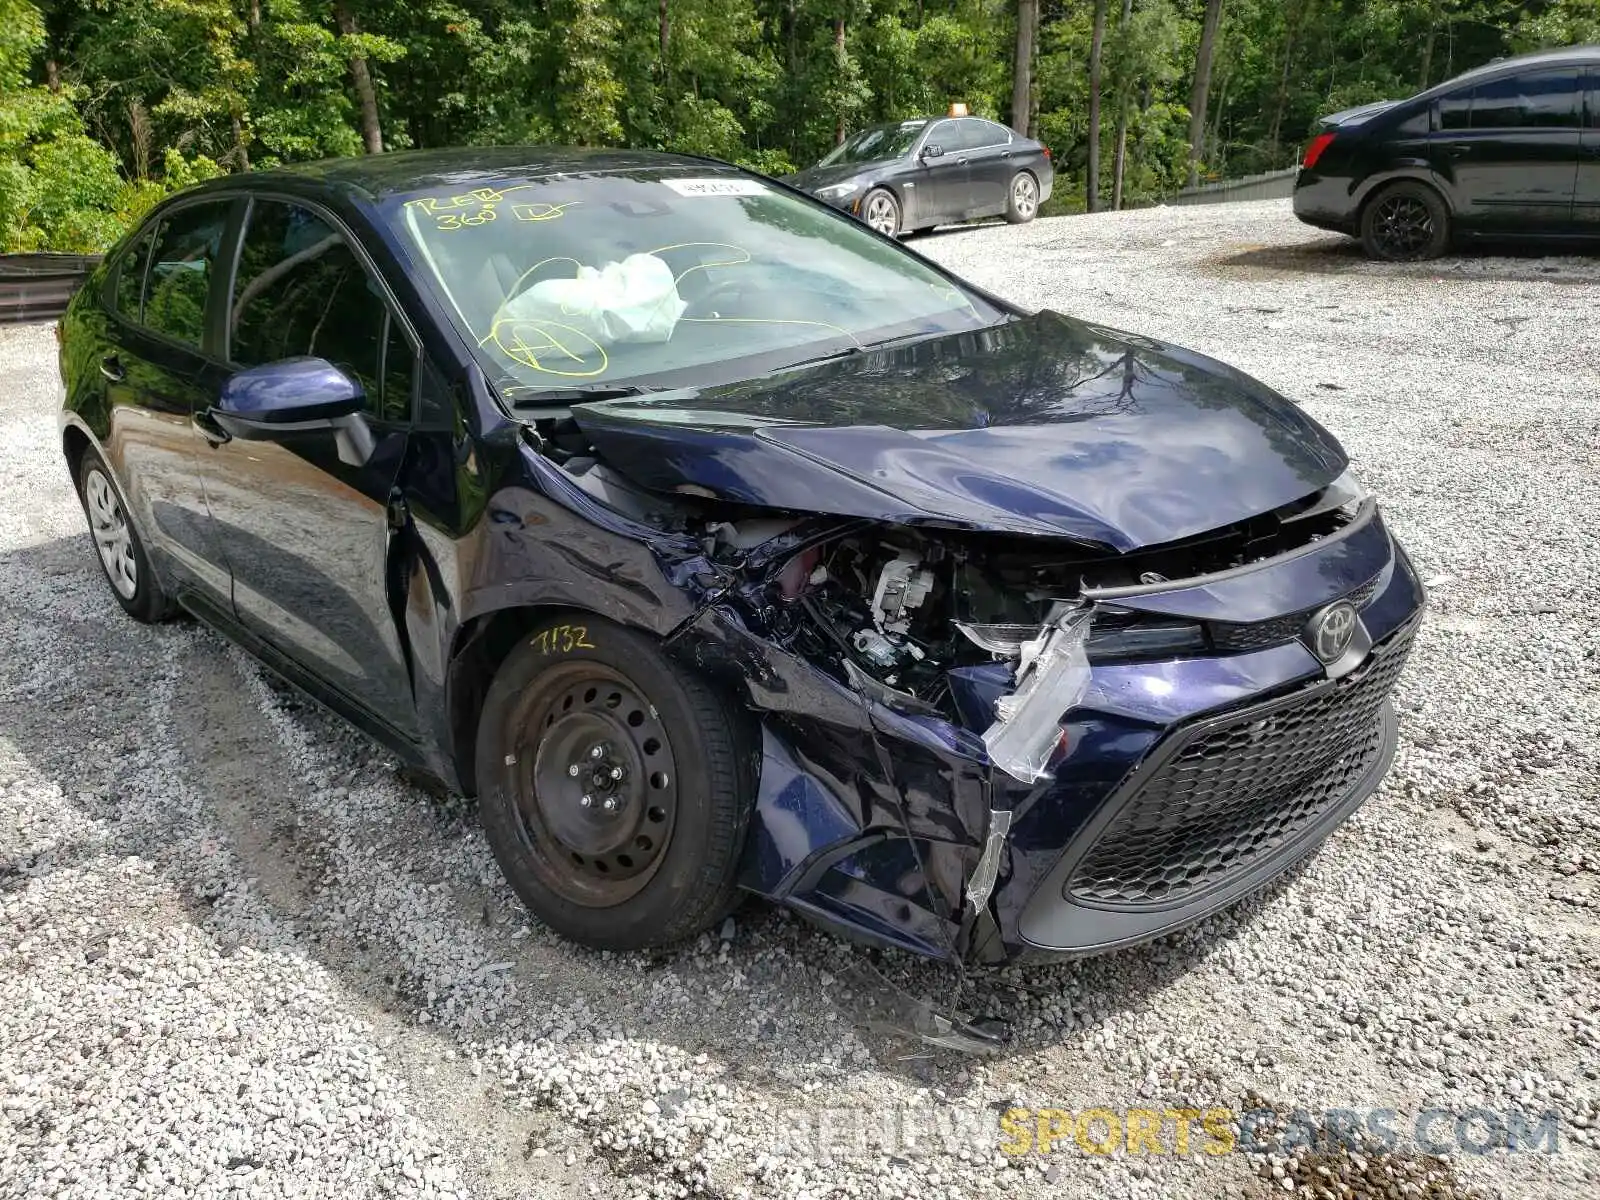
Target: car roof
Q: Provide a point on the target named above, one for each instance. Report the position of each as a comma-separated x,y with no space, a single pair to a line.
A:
908,122
1560,57
374,176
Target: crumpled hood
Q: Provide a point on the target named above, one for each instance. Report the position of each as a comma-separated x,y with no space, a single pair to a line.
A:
1044,425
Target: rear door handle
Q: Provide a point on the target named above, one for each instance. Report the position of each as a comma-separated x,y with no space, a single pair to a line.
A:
111,367
1458,149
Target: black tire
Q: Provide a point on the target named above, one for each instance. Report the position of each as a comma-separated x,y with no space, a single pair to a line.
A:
881,211
662,866
117,543
1405,222
1022,198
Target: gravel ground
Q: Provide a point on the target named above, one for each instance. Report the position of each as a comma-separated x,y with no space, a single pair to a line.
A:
241,955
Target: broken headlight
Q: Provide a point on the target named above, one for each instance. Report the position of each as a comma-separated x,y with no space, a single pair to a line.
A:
1051,678
1120,634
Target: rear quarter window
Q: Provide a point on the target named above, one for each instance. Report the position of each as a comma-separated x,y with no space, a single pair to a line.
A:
127,293
1415,124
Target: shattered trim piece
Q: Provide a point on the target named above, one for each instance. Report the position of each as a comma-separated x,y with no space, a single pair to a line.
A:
981,886
1052,676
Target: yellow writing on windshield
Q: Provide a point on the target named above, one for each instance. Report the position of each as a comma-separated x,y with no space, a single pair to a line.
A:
550,347
540,212
479,206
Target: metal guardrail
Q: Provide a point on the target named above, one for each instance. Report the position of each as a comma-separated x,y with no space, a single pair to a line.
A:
1274,185
38,287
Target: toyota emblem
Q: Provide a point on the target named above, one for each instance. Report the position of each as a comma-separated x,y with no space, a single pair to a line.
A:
1331,630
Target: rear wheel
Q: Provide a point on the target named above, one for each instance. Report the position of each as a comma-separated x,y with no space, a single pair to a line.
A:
1405,222
881,211
614,787
1022,201
117,543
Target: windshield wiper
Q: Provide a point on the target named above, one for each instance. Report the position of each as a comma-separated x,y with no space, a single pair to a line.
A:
581,393
909,339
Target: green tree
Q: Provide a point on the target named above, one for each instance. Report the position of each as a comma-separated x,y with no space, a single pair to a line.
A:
107,104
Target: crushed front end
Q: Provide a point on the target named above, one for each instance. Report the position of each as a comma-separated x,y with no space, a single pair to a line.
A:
978,746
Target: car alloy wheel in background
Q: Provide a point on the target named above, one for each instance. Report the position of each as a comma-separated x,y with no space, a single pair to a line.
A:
880,212
1024,199
1406,222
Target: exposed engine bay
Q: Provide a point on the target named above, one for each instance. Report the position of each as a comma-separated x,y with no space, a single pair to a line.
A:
890,610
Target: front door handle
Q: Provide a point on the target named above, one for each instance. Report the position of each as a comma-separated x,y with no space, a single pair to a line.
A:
1458,149
961,162
111,367
214,434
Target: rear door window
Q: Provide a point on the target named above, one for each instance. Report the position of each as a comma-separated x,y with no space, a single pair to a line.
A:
983,134
300,291
181,265
1537,100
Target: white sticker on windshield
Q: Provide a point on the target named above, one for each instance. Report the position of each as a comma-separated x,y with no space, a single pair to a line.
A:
716,187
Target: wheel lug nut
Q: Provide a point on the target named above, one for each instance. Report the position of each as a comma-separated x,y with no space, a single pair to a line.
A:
597,751
611,804
616,772
587,800
573,770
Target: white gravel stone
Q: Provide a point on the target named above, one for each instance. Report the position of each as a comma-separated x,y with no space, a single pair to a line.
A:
240,956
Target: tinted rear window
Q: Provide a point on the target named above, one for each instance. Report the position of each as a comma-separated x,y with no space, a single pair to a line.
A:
1537,100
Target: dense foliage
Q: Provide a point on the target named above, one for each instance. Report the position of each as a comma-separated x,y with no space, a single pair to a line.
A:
107,104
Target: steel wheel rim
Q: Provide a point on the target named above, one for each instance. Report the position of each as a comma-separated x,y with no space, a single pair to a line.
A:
1404,226
881,214
112,538
1024,196
590,854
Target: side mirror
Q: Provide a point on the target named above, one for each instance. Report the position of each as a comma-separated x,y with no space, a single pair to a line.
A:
932,150
295,396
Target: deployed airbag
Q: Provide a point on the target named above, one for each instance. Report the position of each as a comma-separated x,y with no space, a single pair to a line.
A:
635,300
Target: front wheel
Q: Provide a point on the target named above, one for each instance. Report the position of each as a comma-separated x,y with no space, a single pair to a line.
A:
614,787
881,211
1406,222
1022,201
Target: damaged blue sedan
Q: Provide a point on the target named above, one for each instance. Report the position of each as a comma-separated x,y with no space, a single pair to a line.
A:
719,544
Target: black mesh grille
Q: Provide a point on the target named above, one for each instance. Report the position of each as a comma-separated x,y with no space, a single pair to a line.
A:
1238,638
1233,791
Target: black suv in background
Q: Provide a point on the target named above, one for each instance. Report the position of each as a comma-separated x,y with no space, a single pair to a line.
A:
1508,151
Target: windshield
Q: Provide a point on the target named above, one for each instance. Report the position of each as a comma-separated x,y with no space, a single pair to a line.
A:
663,279
876,144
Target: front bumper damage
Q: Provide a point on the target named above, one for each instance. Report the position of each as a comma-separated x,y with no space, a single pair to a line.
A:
1090,805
